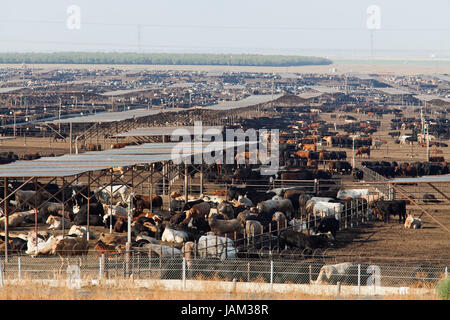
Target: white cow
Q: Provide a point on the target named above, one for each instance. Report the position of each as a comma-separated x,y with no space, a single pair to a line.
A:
162,250
44,247
81,231
56,223
332,274
284,206
172,235
114,210
328,209
352,193
122,191
215,246
403,138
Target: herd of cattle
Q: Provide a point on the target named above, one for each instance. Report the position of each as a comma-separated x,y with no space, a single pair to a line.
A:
221,226
415,169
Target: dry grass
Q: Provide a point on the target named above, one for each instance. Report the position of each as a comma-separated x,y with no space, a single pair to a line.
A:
37,291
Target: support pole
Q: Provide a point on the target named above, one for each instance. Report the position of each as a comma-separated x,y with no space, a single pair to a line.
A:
6,220
186,183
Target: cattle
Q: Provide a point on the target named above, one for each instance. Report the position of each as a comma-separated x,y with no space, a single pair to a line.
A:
82,220
215,246
363,150
302,200
199,210
110,238
16,219
27,199
242,216
385,208
143,202
114,211
44,246
50,208
121,224
57,223
280,219
341,167
253,227
81,232
15,245
301,240
245,201
341,272
269,207
327,224
120,192
293,196
67,247
162,250
223,226
226,209
310,147
413,223
324,209
352,193
105,249
172,235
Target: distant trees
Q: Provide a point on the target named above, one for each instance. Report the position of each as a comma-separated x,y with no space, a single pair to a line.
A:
160,59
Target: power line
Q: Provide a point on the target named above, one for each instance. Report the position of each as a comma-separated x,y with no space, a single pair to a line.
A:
336,28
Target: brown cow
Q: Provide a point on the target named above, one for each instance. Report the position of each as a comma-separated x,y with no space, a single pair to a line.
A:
106,249
303,154
310,147
142,202
363,150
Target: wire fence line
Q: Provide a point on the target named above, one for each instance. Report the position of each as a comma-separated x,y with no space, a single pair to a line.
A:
144,267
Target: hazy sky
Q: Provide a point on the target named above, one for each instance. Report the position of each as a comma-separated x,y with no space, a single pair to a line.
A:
324,27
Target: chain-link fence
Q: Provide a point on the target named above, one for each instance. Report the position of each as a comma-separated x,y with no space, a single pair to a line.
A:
295,271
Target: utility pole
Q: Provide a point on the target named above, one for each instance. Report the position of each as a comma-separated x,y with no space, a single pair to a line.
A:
353,151
428,144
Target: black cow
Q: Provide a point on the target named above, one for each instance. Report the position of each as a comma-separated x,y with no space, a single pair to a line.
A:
385,208
328,224
302,241
94,220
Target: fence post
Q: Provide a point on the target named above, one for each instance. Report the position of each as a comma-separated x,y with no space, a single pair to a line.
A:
1,273
183,275
271,275
359,279
446,272
19,267
101,261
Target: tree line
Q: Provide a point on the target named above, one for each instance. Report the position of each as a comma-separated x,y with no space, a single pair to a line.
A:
161,59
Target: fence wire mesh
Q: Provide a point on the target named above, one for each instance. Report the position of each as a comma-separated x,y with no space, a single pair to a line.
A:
301,271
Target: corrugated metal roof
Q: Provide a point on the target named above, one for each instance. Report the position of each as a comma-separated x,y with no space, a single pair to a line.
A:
423,179
429,97
160,131
115,116
393,91
124,92
247,102
70,165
